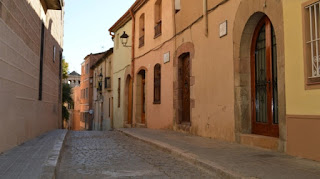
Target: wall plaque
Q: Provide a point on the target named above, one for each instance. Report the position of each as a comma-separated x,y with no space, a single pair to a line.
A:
223,29
166,57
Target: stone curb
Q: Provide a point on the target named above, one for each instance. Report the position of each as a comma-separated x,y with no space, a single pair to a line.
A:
196,160
50,165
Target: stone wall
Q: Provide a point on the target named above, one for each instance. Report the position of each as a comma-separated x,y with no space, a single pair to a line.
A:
23,116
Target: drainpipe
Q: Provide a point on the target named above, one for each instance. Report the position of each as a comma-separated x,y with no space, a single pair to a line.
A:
132,61
205,16
133,43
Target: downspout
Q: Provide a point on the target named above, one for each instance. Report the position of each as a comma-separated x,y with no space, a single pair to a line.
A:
205,16
132,61
133,43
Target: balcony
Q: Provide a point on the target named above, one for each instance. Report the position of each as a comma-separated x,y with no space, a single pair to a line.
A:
141,41
157,29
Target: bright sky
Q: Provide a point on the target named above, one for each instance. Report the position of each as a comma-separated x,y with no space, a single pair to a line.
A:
86,27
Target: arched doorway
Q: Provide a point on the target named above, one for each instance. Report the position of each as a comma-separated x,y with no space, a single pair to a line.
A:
141,97
184,87
129,100
264,88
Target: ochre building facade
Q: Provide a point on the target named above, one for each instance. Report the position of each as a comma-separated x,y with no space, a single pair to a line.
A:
244,71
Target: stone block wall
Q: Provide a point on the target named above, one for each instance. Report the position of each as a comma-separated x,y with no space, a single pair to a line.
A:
23,116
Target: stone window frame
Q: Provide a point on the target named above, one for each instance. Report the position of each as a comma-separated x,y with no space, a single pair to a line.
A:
310,83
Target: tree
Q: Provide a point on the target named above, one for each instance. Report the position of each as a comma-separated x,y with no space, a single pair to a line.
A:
65,67
66,99
66,92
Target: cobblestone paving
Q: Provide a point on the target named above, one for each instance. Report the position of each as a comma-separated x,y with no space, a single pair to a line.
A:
114,155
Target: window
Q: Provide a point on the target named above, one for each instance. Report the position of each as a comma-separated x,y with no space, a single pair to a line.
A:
87,68
141,31
107,82
119,85
177,5
54,54
41,62
158,18
109,107
157,84
312,42
87,93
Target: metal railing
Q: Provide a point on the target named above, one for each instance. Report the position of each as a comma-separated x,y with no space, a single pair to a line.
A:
314,12
141,41
157,29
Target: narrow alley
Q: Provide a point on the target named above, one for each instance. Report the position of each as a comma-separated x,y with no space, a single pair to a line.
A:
114,155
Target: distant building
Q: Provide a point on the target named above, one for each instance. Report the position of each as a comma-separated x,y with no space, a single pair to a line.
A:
102,92
31,42
86,90
122,73
73,79
74,82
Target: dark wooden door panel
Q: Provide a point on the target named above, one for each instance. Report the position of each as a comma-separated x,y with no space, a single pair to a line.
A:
185,84
264,80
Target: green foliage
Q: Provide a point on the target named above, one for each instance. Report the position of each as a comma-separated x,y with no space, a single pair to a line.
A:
66,94
66,91
65,67
65,113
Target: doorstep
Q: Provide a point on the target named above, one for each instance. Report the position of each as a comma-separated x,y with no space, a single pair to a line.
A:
265,142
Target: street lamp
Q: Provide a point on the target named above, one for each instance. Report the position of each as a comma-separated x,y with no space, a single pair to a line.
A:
100,77
124,39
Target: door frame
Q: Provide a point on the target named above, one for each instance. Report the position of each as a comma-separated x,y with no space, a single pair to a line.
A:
266,129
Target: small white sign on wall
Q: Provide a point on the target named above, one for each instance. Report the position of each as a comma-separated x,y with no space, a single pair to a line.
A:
223,29
166,57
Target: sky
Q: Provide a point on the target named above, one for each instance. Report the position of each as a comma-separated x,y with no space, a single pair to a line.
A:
86,27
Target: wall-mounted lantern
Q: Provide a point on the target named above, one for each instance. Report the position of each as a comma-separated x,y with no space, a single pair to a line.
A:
124,39
100,77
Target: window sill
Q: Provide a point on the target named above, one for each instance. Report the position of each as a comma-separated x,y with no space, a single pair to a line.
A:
157,35
312,83
141,46
156,102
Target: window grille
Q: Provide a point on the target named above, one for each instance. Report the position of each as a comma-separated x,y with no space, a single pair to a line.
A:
313,43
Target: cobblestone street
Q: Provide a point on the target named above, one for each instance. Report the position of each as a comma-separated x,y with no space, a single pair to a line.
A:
114,155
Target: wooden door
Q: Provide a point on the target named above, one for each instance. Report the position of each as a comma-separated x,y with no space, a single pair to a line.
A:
130,102
143,102
111,109
264,80
101,116
185,88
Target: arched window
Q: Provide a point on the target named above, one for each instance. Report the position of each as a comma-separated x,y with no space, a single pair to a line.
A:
157,84
141,30
158,18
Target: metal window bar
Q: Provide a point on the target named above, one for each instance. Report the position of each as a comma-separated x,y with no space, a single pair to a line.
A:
314,12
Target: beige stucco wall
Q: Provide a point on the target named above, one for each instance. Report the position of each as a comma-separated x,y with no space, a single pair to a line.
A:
299,100
212,114
23,116
158,116
103,103
121,68
303,120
